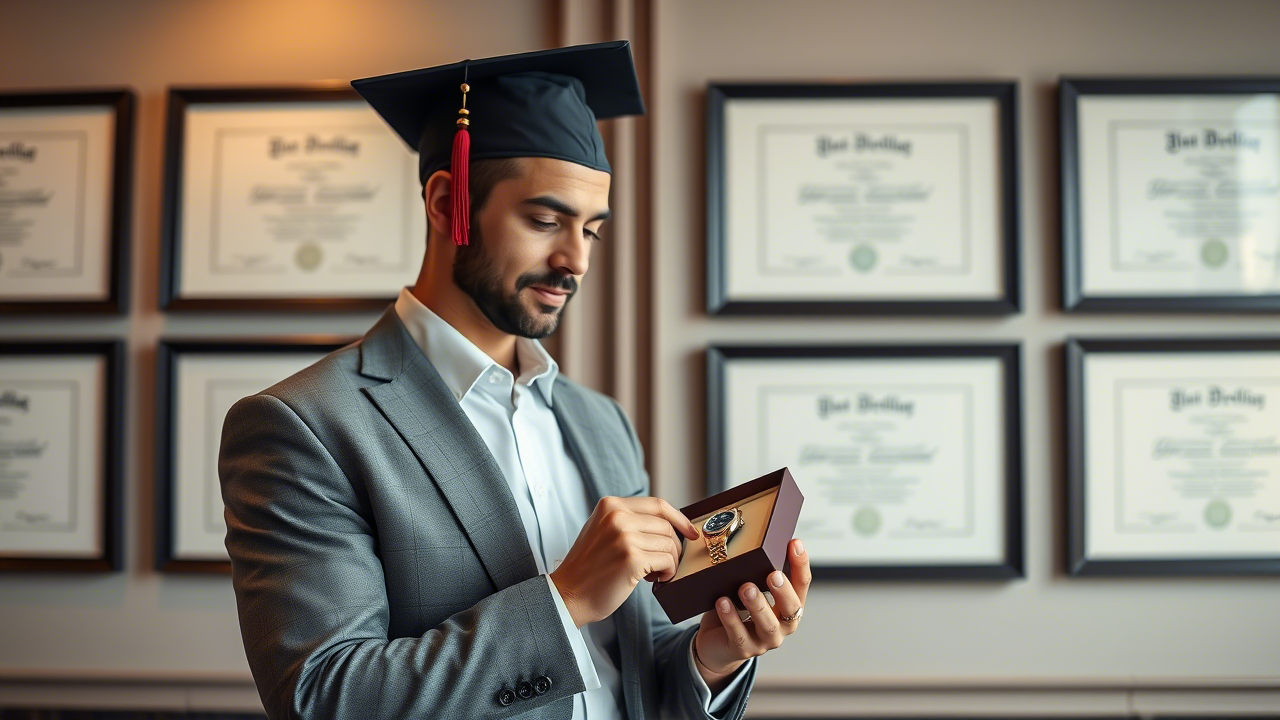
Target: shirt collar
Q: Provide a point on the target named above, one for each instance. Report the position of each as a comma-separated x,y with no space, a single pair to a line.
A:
460,363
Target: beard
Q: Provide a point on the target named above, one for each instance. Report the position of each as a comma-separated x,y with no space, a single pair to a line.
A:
478,276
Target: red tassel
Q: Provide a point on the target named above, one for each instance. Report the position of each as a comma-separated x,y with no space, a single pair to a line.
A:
458,185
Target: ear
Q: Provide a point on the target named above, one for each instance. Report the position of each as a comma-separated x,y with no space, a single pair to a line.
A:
438,201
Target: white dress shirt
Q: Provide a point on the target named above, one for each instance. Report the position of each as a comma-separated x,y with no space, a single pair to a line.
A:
521,432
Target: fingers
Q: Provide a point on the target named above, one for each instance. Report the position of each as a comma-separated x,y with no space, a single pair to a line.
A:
657,564
654,533
785,600
740,641
655,525
768,629
655,543
801,575
637,530
661,508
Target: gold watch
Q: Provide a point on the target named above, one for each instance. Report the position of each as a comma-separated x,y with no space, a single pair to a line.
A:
717,530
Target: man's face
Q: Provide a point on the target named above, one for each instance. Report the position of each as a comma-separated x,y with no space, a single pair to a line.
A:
530,243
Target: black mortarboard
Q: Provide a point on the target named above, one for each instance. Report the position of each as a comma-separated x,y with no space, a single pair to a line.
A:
541,104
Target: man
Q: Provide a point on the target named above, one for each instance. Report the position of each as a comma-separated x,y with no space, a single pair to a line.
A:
432,522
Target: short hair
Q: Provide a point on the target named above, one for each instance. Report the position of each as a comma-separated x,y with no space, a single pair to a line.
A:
484,174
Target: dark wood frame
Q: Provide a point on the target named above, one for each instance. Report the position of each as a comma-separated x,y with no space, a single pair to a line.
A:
1078,562
1069,91
1009,356
179,98
167,352
112,442
122,101
1004,93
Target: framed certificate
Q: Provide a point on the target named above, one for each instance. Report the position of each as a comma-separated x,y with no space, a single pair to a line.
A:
286,199
909,456
199,381
1170,194
873,198
65,177
1173,456
61,426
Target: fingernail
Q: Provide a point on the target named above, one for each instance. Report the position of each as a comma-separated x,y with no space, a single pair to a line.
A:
750,592
724,605
775,579
799,548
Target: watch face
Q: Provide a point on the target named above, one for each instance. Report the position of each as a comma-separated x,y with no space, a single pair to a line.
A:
718,522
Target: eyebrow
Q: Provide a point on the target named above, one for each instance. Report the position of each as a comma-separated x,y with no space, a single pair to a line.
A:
552,203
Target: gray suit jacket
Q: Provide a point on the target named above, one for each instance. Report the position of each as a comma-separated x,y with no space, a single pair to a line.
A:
379,562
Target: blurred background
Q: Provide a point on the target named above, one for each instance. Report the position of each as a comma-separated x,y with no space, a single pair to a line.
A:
169,642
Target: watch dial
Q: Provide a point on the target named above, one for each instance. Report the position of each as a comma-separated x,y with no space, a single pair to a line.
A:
718,522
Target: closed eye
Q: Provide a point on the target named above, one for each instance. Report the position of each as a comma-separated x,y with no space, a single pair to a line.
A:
548,225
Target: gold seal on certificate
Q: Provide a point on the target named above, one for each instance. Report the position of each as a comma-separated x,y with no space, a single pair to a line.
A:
61,422
199,381
862,198
292,198
1174,456
1171,193
910,454
65,161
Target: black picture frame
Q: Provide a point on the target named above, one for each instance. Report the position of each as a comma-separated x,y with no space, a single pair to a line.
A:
168,351
1078,563
1003,92
1009,356
111,440
123,103
171,298
1070,90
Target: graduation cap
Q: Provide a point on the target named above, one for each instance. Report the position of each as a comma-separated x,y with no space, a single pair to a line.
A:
535,104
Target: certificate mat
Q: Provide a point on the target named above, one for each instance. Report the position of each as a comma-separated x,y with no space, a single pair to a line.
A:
52,457
1179,195
906,460
290,199
202,382
56,186
1181,455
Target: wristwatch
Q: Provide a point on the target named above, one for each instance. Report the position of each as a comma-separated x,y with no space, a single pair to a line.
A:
717,530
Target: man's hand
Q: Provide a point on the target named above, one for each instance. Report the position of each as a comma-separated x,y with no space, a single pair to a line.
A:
724,641
625,540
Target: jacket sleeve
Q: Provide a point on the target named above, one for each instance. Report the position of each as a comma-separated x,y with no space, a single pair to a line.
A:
680,696
312,602
716,705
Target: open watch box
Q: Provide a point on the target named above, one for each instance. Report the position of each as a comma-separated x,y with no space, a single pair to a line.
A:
744,532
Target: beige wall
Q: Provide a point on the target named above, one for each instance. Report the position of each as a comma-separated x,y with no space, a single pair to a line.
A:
1043,644
1047,629
138,623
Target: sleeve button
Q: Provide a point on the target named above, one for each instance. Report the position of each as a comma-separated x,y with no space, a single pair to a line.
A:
524,690
541,684
506,697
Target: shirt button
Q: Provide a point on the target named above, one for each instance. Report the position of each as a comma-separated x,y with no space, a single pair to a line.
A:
556,563
493,378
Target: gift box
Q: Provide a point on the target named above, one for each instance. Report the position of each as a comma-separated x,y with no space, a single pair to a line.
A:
770,507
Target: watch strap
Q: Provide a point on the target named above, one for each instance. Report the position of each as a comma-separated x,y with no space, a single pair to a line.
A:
715,546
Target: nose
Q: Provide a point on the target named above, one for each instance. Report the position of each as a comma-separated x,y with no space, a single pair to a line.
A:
572,252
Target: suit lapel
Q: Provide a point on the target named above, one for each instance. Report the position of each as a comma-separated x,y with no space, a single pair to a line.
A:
429,419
